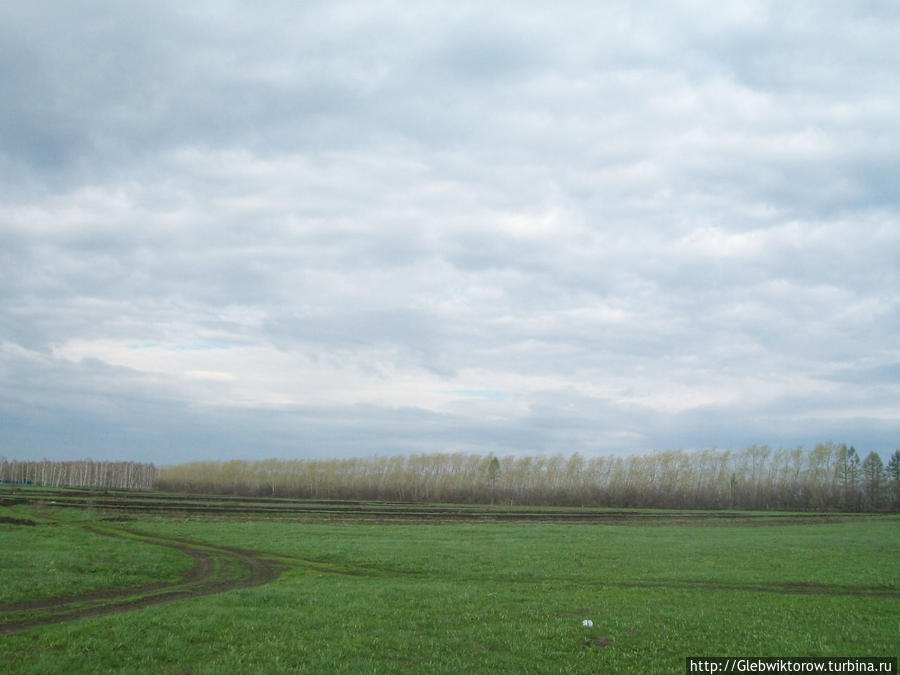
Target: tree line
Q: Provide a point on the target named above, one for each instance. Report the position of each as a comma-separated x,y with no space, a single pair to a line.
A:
828,477
79,474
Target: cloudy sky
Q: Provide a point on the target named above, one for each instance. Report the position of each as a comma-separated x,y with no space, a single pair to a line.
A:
329,229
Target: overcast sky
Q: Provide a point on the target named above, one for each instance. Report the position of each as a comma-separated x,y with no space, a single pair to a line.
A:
330,229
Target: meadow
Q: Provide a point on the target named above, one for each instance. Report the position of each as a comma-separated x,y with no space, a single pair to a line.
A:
105,581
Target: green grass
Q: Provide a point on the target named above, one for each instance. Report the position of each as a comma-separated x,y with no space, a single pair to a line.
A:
494,597
60,558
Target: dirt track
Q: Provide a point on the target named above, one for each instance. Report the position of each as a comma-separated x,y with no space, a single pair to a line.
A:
204,578
777,588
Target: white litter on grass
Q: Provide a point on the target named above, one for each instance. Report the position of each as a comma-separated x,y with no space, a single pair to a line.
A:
588,623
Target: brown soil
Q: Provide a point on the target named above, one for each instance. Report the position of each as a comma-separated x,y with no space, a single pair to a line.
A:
778,588
597,641
119,506
17,521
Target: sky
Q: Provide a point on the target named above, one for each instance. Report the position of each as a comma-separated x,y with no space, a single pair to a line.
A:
335,229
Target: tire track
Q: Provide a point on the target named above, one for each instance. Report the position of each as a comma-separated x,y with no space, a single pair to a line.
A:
785,588
236,568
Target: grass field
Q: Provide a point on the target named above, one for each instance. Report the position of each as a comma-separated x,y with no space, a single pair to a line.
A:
154,583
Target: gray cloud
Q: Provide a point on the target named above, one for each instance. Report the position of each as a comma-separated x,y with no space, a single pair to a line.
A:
349,228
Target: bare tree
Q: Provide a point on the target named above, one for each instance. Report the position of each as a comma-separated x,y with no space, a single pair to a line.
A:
873,480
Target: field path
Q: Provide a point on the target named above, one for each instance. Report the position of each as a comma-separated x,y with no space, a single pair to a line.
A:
216,569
